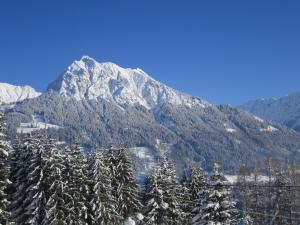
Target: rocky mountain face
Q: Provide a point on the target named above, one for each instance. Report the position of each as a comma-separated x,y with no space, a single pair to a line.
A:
11,93
285,110
87,79
102,104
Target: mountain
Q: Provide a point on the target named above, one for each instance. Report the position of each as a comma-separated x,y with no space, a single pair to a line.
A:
87,79
101,104
11,93
285,110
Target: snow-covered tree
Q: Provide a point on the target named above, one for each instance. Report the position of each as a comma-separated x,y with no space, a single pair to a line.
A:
185,202
198,188
4,174
56,210
102,204
200,191
77,185
280,200
36,187
217,208
26,174
155,206
197,182
162,202
124,186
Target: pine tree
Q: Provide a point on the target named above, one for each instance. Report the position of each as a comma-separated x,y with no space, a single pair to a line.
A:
4,173
185,202
155,206
77,182
125,187
56,206
22,184
200,191
162,200
219,208
35,192
171,193
197,182
103,205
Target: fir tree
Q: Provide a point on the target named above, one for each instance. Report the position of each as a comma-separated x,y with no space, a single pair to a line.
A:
162,202
200,191
35,191
4,173
218,208
56,208
77,181
185,202
197,182
102,204
155,206
25,159
125,187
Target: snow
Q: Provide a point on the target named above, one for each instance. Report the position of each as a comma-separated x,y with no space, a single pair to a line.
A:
258,119
6,107
139,216
268,129
36,124
142,153
147,162
129,221
11,93
232,179
88,79
229,129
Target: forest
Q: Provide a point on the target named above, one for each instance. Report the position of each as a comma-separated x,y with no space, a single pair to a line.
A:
44,183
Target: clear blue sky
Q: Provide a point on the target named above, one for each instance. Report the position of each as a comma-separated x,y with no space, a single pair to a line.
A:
222,51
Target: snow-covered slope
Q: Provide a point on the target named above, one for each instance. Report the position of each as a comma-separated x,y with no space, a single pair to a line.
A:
11,93
88,79
285,110
99,105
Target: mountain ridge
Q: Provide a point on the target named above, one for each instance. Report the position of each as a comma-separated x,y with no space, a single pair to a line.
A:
11,93
284,110
88,79
100,104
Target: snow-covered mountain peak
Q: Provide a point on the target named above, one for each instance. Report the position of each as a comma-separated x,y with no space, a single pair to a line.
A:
11,93
91,80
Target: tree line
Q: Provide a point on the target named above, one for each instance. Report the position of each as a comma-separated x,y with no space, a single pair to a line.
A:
42,183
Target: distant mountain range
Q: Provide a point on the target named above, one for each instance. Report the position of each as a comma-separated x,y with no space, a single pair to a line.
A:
11,93
285,110
102,104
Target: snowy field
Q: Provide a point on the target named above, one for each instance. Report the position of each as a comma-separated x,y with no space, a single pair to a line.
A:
37,123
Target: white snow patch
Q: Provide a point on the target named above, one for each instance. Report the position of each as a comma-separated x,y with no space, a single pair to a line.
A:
142,152
229,129
129,221
232,179
268,129
139,216
258,119
36,124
